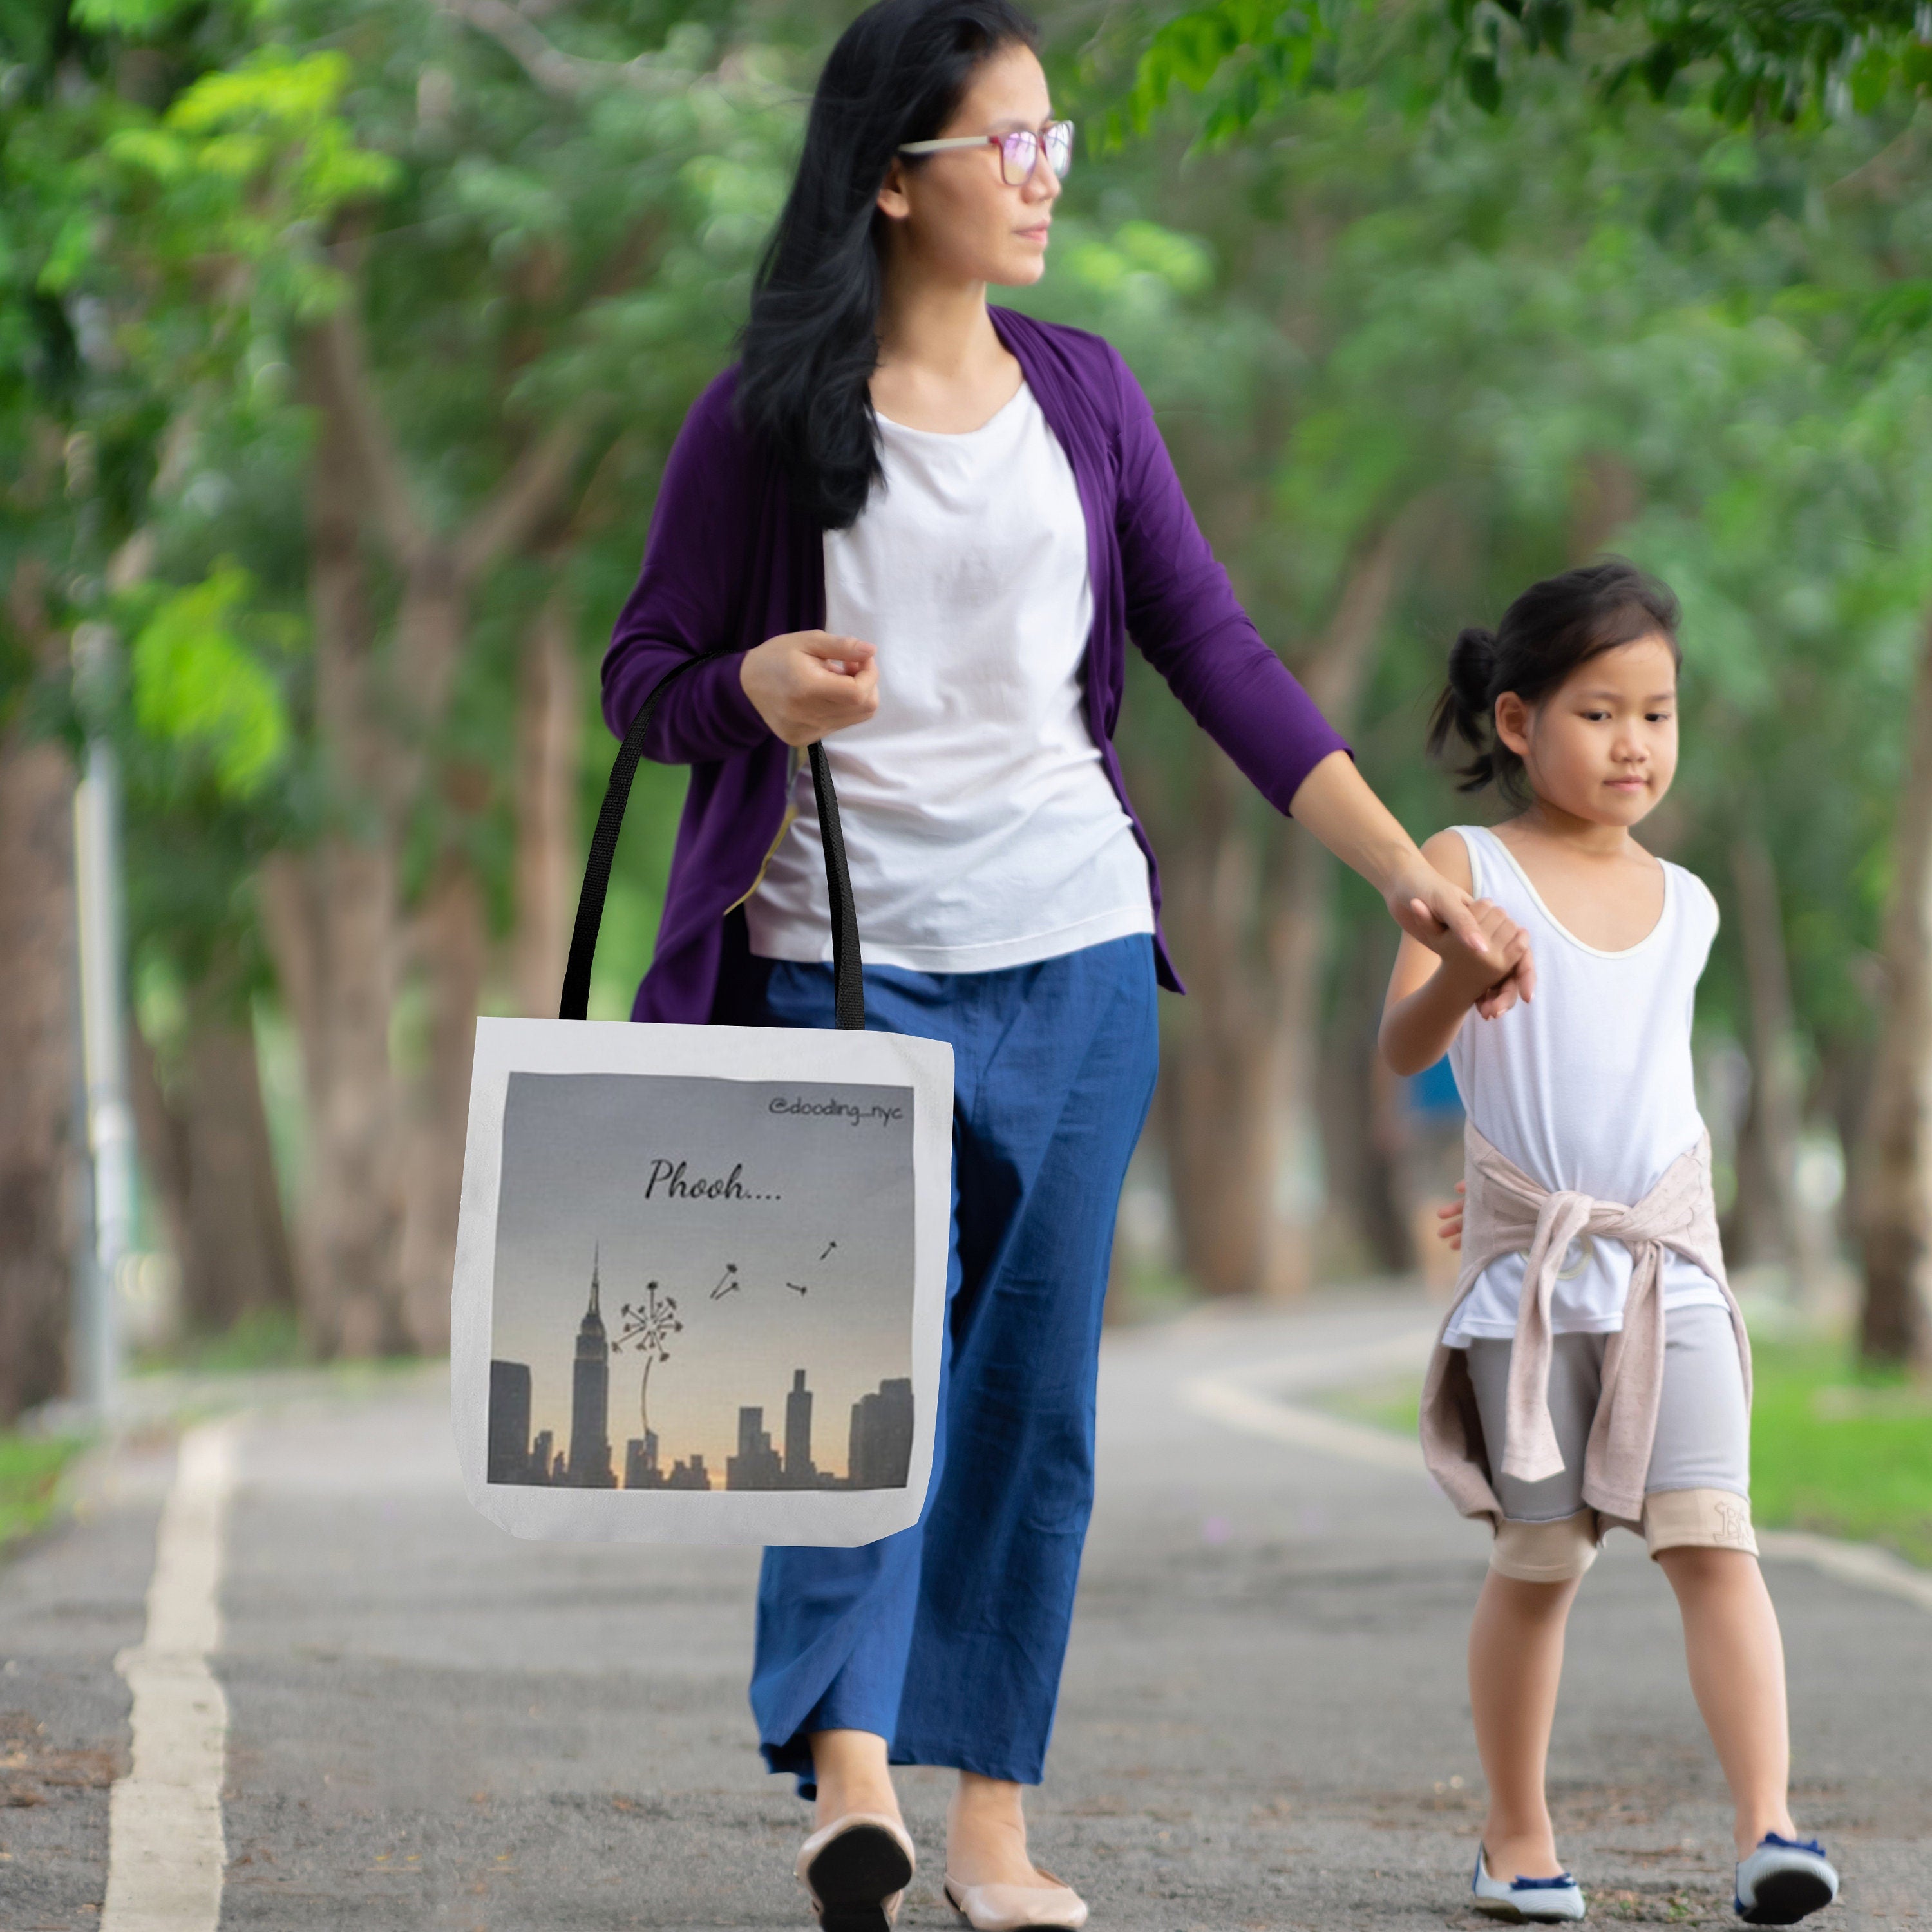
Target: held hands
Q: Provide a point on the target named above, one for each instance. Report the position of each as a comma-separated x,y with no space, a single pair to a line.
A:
806,684
1484,950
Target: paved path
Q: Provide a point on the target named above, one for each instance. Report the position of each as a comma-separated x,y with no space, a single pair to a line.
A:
1264,1723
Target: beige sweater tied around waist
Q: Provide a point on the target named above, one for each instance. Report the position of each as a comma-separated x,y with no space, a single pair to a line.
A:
1504,1212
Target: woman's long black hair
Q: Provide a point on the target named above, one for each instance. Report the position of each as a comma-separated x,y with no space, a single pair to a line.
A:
1553,628
811,345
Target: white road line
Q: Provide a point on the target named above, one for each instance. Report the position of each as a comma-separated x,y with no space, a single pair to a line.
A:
166,1850
1226,1402
1236,1404
1864,1564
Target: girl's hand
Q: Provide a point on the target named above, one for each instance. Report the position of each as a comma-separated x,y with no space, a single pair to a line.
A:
1503,938
1437,914
1451,1218
806,684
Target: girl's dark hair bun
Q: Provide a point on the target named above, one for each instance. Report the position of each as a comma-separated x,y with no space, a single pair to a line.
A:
1472,664
1463,709
1552,629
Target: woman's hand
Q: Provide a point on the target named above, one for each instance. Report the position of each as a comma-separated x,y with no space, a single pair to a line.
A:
1335,803
1451,1218
1439,914
807,684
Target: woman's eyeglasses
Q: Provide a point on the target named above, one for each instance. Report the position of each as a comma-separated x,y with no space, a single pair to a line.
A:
1019,152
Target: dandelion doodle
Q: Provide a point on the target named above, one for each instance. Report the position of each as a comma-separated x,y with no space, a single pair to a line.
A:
648,1327
727,1282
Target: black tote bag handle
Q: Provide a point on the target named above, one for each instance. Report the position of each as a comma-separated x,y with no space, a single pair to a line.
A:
849,987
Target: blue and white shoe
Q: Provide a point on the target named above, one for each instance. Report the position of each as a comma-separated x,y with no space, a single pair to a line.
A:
1784,1880
1542,1899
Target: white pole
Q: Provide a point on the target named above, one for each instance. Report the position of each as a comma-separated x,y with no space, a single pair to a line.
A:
110,1122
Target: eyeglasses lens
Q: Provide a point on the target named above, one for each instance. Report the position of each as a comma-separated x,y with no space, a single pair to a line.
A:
1019,153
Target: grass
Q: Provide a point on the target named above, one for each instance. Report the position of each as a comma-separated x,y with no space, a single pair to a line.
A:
1394,1405
1842,1450
1836,1448
1141,1293
30,1472
265,1338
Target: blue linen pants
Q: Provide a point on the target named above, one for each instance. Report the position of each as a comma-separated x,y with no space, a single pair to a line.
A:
947,1639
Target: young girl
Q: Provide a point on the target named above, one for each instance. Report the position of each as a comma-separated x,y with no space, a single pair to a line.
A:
1594,1371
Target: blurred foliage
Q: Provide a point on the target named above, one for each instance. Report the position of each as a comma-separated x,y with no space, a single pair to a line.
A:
203,687
1567,330
1748,61
528,226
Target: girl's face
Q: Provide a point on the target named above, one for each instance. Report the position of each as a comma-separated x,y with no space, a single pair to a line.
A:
1602,746
951,215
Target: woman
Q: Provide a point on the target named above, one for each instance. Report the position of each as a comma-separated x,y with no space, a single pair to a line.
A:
926,528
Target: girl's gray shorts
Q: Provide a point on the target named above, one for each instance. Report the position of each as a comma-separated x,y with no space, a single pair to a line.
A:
1698,1489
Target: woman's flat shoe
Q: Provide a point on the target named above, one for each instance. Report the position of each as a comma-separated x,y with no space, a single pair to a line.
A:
1542,1899
857,1871
1784,1880
1054,1907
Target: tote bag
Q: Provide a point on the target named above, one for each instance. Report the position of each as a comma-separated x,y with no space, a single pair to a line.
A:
700,1270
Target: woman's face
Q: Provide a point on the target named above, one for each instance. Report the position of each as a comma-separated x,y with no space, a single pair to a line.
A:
951,216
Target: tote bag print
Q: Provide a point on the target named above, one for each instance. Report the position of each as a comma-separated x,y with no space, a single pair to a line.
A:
700,1270
706,1318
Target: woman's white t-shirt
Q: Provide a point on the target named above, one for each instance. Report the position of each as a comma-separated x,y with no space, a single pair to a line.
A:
981,828
1588,1087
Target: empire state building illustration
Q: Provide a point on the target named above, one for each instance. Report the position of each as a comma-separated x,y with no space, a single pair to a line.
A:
589,1463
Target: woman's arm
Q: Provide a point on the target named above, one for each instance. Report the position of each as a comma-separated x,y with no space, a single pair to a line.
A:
1184,616
1429,997
687,599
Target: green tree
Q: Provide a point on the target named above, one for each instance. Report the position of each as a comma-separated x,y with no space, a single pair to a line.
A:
433,288
1568,328
1749,60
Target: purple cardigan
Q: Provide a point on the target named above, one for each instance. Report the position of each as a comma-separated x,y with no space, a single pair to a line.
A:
727,561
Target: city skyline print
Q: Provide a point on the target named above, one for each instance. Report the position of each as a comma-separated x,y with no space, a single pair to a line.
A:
702,1283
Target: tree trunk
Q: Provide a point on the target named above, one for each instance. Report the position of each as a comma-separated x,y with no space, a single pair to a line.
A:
1239,1072
160,1137
207,1154
1335,676
549,736
1219,1059
450,943
1607,496
330,914
41,1148
1895,1163
235,1259
1361,1137
448,952
1778,1096
360,470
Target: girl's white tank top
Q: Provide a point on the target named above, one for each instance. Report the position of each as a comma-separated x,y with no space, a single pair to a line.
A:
1588,1086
